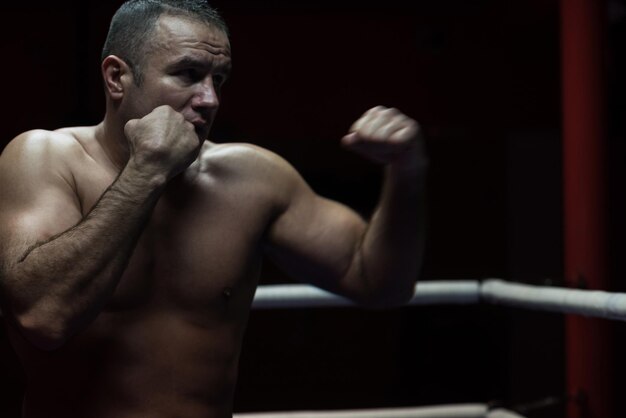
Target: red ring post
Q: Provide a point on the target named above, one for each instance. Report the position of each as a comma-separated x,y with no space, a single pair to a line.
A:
588,349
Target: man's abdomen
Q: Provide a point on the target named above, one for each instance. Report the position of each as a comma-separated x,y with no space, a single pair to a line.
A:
142,364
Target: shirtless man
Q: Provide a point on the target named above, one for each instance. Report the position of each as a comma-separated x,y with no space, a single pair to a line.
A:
131,250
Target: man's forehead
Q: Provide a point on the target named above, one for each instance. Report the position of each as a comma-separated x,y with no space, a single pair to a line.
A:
173,31
178,42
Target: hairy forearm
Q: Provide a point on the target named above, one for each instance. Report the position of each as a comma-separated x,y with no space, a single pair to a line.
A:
390,256
57,287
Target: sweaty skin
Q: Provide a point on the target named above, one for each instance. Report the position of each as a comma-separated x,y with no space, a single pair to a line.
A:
131,250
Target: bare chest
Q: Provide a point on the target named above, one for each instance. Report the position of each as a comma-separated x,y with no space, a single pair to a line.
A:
200,251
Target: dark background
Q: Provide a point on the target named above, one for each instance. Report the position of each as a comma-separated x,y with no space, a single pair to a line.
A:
483,79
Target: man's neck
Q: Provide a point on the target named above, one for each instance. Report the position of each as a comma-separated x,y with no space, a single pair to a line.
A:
113,141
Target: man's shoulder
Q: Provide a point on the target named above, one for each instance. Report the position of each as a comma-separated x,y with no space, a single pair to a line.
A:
41,154
243,158
43,143
252,170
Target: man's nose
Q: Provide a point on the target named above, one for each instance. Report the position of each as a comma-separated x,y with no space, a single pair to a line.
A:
206,95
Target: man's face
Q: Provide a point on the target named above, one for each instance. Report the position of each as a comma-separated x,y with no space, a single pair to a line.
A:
185,65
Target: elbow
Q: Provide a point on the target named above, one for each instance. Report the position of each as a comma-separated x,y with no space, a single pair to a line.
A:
384,285
41,323
42,330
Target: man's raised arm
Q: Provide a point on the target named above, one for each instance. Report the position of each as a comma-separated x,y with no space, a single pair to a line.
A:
374,263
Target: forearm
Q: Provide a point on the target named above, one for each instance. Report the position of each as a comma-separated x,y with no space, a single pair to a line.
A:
390,255
56,288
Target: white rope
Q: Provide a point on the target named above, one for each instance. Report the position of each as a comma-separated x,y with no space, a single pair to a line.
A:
503,413
594,303
443,411
447,411
306,296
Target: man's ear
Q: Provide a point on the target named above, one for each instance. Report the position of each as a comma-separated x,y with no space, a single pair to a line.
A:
116,75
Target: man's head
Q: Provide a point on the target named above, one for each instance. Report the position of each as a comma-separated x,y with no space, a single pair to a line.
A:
165,52
133,24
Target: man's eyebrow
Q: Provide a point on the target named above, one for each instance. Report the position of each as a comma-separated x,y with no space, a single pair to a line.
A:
188,61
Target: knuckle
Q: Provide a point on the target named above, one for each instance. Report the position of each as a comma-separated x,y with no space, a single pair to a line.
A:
130,125
413,125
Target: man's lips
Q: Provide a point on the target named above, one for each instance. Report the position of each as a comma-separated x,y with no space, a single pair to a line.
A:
199,123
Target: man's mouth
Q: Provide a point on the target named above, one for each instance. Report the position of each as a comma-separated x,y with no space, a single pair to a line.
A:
201,127
199,122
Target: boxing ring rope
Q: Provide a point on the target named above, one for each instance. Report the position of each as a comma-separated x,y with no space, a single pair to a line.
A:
451,411
593,303
306,296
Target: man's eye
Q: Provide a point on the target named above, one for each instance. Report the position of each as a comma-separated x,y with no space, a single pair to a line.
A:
188,74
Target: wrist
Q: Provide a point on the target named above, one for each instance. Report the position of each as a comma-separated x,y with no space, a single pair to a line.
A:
410,164
144,174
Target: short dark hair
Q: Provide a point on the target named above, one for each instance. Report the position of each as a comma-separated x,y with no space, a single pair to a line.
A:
133,23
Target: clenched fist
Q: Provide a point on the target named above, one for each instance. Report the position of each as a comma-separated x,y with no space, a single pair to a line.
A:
387,136
162,142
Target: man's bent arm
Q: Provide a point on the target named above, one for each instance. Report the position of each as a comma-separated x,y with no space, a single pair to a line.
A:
327,244
55,288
